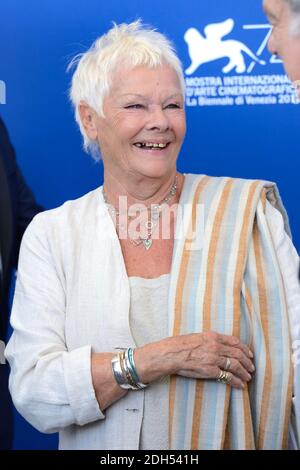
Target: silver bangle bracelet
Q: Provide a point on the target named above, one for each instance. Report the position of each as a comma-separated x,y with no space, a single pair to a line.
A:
124,372
129,355
118,374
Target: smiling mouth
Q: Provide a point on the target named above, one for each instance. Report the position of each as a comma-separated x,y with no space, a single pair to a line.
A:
151,146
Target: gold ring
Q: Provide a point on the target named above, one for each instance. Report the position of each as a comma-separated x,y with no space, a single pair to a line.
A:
228,364
224,377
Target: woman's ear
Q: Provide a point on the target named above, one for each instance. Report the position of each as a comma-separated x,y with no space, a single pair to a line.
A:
88,119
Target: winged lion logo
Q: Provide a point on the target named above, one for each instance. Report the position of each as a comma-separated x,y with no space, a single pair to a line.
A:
212,47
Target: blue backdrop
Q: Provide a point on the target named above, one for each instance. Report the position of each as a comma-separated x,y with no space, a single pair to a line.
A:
241,122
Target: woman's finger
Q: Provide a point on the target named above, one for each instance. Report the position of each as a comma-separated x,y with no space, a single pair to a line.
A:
239,356
234,342
215,373
235,367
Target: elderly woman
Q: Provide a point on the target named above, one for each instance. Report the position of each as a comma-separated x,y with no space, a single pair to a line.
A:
154,312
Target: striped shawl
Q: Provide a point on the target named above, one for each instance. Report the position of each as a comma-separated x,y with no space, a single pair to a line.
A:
233,286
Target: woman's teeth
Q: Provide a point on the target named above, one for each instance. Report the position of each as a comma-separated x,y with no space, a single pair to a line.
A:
150,145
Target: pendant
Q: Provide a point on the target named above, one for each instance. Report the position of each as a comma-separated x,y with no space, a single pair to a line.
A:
147,243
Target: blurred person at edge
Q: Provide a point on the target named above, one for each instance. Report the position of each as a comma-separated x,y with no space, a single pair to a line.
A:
17,208
284,16
131,332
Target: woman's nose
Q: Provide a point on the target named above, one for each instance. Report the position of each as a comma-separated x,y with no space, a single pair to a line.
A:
158,119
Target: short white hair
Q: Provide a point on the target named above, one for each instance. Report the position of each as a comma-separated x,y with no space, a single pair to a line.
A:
130,45
294,6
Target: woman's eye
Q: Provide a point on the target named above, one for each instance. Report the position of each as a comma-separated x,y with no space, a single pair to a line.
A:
173,106
134,106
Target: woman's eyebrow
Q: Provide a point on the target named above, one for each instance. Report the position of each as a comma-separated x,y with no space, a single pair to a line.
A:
137,95
174,95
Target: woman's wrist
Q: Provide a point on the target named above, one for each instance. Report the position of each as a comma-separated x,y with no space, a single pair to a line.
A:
107,390
156,360
124,371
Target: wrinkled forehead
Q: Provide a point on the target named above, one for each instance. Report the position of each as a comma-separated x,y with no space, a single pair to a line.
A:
145,80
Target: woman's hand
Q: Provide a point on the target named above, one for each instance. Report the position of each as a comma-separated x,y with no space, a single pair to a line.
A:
200,355
209,354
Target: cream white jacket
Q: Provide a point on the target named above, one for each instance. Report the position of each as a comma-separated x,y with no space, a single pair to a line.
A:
72,296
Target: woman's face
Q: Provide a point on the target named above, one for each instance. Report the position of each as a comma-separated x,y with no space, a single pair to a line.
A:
144,124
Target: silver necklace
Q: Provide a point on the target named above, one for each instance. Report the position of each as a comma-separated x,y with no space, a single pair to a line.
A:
155,211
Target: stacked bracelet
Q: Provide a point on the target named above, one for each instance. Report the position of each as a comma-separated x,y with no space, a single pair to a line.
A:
124,371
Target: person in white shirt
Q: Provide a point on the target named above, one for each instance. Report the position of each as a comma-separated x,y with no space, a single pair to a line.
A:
154,312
